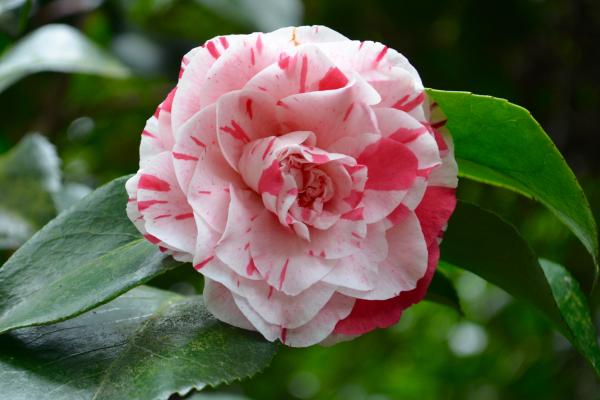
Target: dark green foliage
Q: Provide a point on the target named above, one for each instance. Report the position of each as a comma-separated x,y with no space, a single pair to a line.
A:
146,344
87,256
499,143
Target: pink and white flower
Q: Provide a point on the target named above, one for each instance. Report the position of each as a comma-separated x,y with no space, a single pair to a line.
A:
305,175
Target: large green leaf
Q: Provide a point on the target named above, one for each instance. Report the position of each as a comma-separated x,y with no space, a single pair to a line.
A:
442,291
500,143
29,176
216,396
575,310
481,242
59,48
146,344
86,256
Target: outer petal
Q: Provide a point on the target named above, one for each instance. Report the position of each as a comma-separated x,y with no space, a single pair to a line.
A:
193,140
314,331
398,88
230,72
371,59
208,189
294,36
168,218
371,314
187,100
269,331
321,326
433,213
405,265
355,272
386,70
133,212
220,303
157,135
272,305
445,175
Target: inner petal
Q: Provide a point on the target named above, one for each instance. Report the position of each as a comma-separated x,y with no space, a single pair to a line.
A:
317,188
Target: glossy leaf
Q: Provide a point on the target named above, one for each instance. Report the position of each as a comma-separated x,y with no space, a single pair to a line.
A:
442,291
575,310
216,396
481,242
86,256
29,176
500,143
146,344
58,48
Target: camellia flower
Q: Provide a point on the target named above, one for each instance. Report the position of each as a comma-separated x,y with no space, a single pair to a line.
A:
303,174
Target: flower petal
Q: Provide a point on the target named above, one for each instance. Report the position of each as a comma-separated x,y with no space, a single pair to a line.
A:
219,301
166,212
294,36
321,326
188,99
234,246
283,258
242,117
271,304
330,114
208,189
235,67
405,265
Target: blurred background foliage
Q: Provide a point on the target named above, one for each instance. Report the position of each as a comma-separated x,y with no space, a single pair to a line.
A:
541,54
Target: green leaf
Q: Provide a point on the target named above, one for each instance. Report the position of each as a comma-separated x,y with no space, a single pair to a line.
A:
481,242
442,291
500,143
58,48
216,396
29,175
146,344
86,256
575,310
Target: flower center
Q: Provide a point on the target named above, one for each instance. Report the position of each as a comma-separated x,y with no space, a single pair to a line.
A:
303,185
315,187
